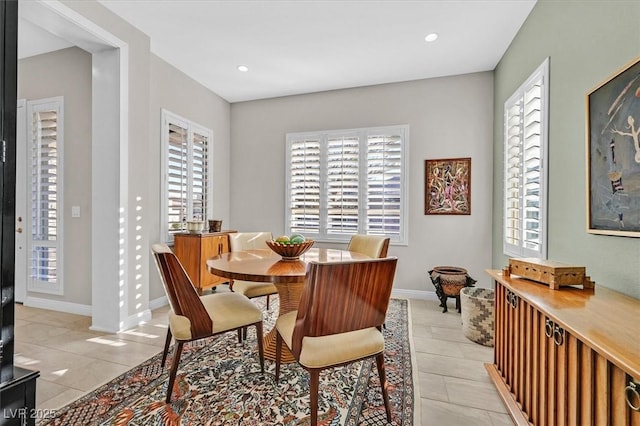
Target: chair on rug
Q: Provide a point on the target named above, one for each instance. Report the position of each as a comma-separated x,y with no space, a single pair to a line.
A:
339,320
239,241
194,317
375,246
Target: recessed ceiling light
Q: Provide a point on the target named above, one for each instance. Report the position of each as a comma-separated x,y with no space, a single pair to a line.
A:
243,68
431,37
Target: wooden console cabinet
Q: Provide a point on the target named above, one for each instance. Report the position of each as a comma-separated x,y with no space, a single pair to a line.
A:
567,356
193,250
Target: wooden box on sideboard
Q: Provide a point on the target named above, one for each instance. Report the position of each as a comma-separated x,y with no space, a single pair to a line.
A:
554,274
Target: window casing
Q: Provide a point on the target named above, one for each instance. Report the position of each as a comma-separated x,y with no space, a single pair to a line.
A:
345,182
187,150
45,181
525,167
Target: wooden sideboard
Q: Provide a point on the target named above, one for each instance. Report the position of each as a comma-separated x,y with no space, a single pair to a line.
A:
568,356
193,250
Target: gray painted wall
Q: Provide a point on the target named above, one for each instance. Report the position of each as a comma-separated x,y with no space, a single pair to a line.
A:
67,73
587,42
448,117
174,91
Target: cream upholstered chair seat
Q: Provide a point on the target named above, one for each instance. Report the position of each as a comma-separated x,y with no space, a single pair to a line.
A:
339,320
194,317
334,349
251,241
253,289
228,311
374,246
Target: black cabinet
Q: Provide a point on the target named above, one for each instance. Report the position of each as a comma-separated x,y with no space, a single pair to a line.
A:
18,398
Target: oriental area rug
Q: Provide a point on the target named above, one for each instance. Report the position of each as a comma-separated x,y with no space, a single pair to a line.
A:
219,383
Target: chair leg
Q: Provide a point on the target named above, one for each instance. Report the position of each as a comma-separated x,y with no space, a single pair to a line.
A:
278,354
174,370
239,335
167,342
267,302
260,345
383,384
313,394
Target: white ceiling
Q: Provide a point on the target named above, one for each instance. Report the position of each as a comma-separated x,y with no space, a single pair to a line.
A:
294,47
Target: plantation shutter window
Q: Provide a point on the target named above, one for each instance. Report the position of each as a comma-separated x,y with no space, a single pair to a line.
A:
342,185
177,154
45,181
384,177
186,168
526,137
200,182
304,184
346,182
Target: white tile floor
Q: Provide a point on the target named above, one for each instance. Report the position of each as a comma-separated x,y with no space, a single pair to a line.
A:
453,383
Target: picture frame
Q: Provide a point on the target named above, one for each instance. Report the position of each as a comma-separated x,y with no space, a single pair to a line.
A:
613,154
447,186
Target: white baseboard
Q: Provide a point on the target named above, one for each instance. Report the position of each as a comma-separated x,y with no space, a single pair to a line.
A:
158,303
137,319
57,305
85,310
414,294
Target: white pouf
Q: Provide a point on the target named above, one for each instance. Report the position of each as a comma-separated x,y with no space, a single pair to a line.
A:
477,314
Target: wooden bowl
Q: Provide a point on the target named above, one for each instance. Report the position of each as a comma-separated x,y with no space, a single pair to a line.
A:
290,251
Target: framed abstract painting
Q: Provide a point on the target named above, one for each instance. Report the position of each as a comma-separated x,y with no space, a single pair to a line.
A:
447,187
613,154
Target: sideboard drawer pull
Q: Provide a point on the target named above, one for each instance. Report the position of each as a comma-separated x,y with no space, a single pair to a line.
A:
548,327
512,299
632,396
558,335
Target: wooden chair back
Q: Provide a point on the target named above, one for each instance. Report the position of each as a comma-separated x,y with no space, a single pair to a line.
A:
341,297
182,295
375,246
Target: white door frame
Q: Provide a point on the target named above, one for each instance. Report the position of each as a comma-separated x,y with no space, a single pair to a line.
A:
110,101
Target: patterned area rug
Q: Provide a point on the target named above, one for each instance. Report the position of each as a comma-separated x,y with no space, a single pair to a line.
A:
219,383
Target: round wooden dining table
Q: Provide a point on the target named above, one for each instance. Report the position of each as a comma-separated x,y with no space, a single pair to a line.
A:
263,265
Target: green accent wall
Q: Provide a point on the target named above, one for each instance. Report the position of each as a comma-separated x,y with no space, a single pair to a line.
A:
587,42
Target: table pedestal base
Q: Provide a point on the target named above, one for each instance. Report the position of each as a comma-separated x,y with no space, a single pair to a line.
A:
289,295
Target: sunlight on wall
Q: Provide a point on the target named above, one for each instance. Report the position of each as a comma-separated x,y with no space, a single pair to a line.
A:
138,257
123,264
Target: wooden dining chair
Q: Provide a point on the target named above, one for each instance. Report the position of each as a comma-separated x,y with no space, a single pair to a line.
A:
339,320
375,246
250,241
194,317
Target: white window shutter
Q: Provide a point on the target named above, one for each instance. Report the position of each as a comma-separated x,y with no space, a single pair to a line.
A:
46,183
525,148
177,183
342,185
200,177
304,185
384,184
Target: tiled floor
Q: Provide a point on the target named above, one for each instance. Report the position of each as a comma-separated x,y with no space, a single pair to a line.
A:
453,383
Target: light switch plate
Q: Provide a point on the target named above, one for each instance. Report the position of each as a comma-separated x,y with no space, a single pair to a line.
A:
75,211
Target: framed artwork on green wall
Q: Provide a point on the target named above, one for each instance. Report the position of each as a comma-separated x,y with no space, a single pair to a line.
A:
613,154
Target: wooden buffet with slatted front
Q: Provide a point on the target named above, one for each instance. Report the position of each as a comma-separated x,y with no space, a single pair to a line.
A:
567,356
